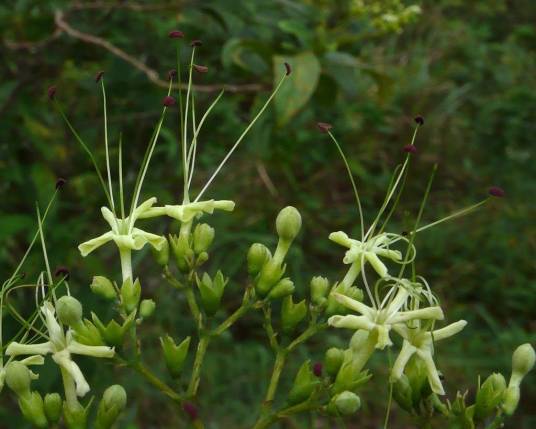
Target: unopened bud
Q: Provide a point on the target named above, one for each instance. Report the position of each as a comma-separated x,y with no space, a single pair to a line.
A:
288,223
32,408
147,308
18,377
489,395
130,294
319,289
53,405
114,400
258,255
523,360
292,314
333,360
75,415
346,403
269,276
103,287
69,310
304,384
282,289
203,237
211,292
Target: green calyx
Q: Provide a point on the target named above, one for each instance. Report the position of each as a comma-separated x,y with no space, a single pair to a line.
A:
174,354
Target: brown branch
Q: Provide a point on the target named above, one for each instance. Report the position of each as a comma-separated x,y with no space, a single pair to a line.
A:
151,74
32,46
129,6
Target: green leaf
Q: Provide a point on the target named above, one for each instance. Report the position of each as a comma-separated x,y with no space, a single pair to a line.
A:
300,86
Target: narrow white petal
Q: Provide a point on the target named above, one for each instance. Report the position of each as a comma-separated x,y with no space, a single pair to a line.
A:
435,313
352,304
431,372
95,351
449,330
401,361
376,263
89,246
16,349
351,322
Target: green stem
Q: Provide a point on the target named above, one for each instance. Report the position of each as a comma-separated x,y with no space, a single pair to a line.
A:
305,335
70,389
126,263
227,323
280,359
194,308
198,362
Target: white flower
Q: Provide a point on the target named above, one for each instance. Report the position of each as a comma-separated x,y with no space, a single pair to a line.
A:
61,345
369,250
187,212
420,342
381,320
123,233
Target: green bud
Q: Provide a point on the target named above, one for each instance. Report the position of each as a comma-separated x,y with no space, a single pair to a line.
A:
69,310
402,393
211,291
103,287
304,384
147,308
258,255
180,246
75,415
319,290
53,405
18,377
523,360
333,360
284,288
203,237
288,223
269,276
130,294
161,256
344,404
202,258
87,333
32,408
350,375
174,355
292,314
113,401
511,399
489,395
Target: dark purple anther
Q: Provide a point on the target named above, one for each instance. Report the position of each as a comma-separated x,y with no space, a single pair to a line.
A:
62,271
60,183
172,74
176,34
495,191
196,43
288,69
419,120
324,126
409,148
168,101
317,369
98,76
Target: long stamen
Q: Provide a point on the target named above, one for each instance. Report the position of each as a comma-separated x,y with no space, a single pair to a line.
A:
351,176
186,196
233,148
107,152
120,168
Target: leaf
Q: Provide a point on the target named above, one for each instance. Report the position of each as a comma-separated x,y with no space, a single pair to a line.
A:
300,86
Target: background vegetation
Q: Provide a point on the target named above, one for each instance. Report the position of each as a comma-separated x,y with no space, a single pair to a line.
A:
468,67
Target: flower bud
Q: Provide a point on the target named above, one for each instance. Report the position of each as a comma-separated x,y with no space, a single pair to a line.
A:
288,223
161,256
269,276
258,255
304,384
523,360
174,355
147,308
203,237
284,288
319,289
345,403
103,287
211,292
292,314
114,400
53,405
69,310
18,377
489,395
180,246
130,294
32,408
511,399
333,360
201,259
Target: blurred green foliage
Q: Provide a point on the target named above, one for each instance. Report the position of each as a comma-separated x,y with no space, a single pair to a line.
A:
468,67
